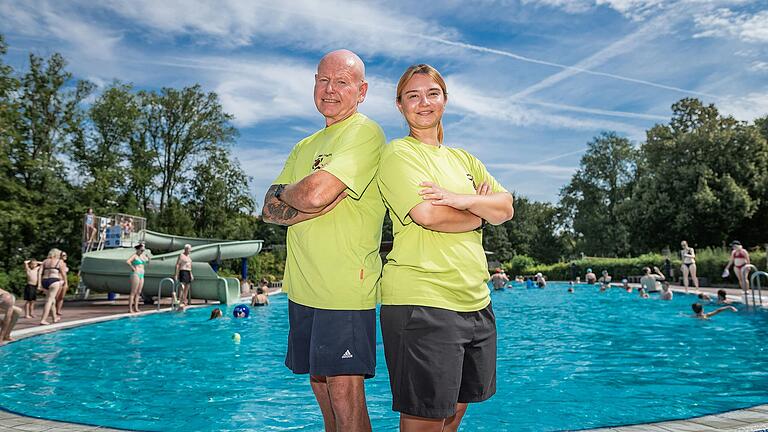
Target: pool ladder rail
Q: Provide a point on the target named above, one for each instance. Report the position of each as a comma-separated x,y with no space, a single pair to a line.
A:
754,283
174,293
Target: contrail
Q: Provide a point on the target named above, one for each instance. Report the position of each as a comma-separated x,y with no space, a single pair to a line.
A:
562,66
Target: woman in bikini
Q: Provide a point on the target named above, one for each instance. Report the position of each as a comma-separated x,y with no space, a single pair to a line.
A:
689,265
739,259
53,277
136,262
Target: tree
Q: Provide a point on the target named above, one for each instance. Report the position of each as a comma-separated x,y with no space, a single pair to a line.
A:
103,144
180,126
218,198
702,178
535,231
496,240
592,199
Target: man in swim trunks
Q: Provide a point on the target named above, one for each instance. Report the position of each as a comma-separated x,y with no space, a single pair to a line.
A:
33,269
184,274
328,198
650,280
590,277
499,279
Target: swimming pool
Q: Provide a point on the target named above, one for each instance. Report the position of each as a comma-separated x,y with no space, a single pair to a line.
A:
566,361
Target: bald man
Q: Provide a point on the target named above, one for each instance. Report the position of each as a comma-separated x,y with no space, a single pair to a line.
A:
328,198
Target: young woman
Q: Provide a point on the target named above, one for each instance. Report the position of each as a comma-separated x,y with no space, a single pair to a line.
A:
739,259
54,275
137,262
436,318
688,256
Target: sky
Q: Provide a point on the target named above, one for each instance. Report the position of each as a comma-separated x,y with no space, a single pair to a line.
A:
530,82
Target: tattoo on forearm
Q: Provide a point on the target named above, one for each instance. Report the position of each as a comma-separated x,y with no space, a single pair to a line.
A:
278,211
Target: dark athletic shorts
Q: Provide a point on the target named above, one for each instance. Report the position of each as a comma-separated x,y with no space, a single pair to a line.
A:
438,357
30,292
328,342
185,276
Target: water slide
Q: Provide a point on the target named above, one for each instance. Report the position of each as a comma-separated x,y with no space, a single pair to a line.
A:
107,270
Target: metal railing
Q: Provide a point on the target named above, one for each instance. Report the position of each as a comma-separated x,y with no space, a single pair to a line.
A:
755,281
174,296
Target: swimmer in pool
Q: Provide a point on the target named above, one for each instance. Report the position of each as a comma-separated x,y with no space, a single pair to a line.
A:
699,313
666,293
722,297
215,314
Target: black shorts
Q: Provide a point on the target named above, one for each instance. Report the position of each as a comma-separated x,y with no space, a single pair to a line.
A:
438,357
328,342
30,292
185,276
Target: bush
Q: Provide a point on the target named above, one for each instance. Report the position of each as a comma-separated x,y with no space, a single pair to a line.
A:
13,281
709,264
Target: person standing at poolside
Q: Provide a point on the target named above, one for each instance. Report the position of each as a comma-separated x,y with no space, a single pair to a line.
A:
64,287
52,279
327,196
688,266
12,314
184,274
437,322
739,259
33,269
136,262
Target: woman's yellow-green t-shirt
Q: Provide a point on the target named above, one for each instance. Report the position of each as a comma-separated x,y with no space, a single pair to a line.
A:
425,267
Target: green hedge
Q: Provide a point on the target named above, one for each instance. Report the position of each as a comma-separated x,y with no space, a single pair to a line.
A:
709,264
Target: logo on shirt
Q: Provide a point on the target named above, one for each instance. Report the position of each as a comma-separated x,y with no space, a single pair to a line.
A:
321,161
472,179
346,355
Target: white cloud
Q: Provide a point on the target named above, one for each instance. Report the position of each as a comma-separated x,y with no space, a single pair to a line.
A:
749,107
759,66
634,9
367,28
725,23
41,18
553,171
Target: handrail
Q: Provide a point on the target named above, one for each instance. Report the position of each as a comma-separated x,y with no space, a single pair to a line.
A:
756,278
160,290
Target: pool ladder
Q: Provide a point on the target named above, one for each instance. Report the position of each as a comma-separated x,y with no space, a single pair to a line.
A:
174,293
754,283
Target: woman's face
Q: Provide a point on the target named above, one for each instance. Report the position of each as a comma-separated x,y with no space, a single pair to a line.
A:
683,244
422,102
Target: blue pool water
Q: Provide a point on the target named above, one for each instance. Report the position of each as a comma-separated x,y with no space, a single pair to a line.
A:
566,361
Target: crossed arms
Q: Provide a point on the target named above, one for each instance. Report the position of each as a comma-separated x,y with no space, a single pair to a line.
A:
312,196
445,211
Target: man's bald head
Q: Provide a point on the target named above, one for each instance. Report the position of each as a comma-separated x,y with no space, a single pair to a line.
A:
344,58
339,85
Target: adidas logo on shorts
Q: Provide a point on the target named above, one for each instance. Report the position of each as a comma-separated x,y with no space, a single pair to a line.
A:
346,355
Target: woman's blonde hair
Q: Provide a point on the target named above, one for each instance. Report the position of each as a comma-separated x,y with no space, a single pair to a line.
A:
54,253
432,73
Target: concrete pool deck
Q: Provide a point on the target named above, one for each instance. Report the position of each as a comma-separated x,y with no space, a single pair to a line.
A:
77,313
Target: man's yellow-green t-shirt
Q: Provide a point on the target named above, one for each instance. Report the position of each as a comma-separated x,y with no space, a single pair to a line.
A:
425,267
333,260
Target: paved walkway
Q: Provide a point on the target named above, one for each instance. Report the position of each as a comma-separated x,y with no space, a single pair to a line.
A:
76,313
